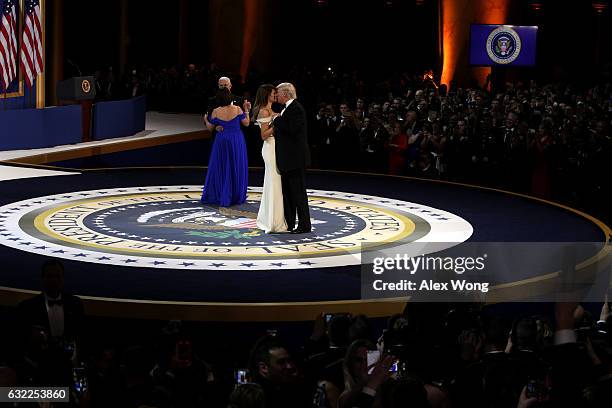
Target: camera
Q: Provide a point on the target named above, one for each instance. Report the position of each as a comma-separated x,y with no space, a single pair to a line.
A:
373,358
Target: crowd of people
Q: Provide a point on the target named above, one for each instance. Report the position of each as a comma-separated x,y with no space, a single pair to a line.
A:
547,140
432,355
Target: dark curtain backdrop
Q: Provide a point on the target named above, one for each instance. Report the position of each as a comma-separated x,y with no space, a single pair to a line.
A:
345,34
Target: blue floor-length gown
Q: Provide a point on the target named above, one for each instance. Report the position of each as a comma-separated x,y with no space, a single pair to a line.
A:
227,176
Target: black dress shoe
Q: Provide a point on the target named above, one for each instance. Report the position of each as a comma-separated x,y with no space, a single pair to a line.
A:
299,230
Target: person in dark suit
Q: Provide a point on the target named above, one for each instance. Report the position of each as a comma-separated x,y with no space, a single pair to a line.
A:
292,157
61,314
213,103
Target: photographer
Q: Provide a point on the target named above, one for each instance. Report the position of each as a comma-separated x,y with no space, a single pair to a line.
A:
361,388
568,358
495,378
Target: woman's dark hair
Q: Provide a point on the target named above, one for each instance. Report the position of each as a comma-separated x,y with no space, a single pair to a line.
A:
261,98
224,97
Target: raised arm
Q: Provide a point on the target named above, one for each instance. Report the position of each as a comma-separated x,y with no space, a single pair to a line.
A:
246,121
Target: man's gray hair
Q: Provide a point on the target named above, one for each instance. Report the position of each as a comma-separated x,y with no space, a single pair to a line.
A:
288,88
225,79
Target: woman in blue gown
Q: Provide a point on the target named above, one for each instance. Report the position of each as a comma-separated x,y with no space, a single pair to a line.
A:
227,176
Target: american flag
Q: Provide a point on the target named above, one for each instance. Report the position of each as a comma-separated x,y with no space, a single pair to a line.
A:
8,43
31,44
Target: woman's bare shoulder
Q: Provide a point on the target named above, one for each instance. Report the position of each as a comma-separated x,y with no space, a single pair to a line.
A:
264,113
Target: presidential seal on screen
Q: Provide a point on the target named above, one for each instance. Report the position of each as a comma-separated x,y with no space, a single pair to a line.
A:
168,227
503,45
85,86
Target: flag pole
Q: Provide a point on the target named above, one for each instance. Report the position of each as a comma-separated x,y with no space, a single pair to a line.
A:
32,103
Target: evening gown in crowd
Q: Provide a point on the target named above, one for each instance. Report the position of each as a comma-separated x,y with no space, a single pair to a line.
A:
271,215
227,176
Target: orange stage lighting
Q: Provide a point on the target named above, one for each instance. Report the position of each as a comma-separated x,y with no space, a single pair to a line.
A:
457,16
249,34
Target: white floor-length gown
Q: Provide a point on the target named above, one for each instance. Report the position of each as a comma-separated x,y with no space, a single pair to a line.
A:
271,216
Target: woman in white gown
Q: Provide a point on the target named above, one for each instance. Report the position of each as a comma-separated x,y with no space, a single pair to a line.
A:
271,216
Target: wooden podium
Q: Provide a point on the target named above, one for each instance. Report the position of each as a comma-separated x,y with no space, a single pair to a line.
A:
79,90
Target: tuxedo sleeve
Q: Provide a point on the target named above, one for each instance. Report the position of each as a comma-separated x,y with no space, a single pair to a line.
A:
210,105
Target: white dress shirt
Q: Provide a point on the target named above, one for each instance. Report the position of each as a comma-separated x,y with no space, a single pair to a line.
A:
286,106
56,317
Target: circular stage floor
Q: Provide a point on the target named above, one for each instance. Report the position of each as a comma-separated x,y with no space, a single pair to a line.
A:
138,243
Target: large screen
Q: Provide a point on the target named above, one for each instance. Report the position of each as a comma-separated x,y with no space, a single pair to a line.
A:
492,45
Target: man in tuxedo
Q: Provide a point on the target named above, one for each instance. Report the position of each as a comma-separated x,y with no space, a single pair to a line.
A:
225,82
59,313
292,157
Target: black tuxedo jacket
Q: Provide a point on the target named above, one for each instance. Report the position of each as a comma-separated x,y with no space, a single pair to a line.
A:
33,311
291,140
212,103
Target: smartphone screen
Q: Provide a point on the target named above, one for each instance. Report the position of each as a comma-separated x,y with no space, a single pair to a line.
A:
329,316
533,389
241,376
79,379
373,357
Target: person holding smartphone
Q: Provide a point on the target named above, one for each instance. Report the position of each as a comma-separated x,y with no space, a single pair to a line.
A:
362,388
